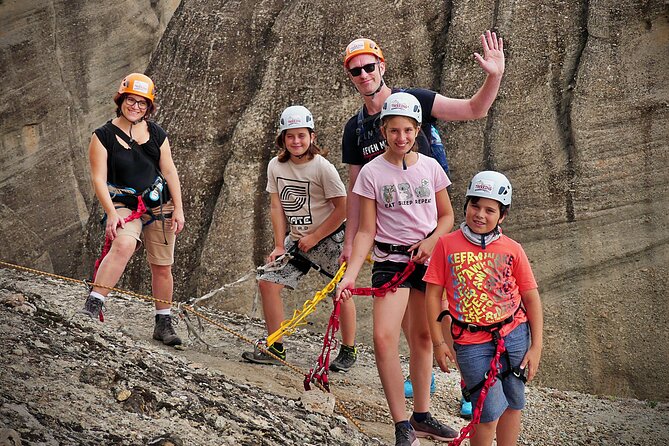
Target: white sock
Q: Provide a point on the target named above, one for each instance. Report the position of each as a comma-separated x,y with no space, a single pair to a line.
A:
97,295
166,311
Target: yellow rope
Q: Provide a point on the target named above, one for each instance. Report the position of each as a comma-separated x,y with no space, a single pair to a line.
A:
289,326
203,316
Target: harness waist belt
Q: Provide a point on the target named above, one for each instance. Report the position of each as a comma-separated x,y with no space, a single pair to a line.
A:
392,249
473,328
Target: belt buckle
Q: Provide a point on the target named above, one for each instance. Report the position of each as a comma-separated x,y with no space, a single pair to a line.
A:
472,328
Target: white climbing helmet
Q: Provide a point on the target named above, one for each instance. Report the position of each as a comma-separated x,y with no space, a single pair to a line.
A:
490,184
402,104
294,117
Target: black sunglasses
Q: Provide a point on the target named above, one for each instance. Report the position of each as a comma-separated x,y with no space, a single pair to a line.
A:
357,71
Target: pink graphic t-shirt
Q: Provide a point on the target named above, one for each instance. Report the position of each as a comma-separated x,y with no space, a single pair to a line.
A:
482,286
406,208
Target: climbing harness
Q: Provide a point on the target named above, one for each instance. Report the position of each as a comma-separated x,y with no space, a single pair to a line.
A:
319,373
490,376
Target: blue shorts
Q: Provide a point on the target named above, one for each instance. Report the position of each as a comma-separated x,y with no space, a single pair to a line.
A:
474,361
383,272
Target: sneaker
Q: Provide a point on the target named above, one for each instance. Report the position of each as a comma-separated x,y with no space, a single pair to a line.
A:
93,308
345,359
260,357
466,409
433,429
408,387
405,435
164,330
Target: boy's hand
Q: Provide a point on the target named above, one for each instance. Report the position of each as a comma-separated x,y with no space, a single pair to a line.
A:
442,352
531,361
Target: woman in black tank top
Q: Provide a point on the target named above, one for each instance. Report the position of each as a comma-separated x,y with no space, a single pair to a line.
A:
131,165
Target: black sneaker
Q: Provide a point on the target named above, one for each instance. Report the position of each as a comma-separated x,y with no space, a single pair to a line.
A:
260,357
405,435
164,330
345,359
432,428
93,308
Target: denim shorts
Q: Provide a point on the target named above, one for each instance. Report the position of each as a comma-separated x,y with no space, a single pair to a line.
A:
383,272
474,362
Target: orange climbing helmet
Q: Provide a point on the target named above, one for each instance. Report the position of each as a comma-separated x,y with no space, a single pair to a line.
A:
137,83
362,46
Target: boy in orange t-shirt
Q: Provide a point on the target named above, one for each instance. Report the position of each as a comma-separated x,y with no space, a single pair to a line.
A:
490,292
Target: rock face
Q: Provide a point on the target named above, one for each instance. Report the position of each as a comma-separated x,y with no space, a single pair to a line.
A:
580,127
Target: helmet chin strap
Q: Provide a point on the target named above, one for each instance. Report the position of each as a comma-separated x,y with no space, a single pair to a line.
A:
404,158
381,84
132,123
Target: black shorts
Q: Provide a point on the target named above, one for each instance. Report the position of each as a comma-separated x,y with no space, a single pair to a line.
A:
383,272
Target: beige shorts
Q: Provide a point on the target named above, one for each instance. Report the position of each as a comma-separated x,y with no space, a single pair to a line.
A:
159,245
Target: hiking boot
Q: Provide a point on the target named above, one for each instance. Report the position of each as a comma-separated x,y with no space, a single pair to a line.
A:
260,357
164,330
408,387
433,429
93,308
405,435
345,359
466,409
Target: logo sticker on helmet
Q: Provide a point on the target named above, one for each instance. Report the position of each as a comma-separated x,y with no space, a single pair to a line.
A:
294,120
397,105
140,86
356,45
483,186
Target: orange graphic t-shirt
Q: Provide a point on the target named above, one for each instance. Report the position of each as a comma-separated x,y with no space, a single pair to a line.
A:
482,286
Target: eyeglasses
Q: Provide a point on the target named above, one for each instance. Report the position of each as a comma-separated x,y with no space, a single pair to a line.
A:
132,102
357,71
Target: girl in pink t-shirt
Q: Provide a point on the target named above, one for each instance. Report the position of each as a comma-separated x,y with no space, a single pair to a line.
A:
404,209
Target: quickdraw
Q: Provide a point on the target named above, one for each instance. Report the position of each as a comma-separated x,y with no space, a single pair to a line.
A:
319,373
289,326
389,287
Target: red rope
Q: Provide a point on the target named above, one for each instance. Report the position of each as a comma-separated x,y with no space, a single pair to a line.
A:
320,372
495,368
390,287
141,209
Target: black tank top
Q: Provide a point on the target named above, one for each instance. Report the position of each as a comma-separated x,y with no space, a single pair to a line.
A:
128,168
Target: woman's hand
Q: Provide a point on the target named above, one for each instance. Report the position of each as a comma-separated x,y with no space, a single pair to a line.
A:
178,221
113,221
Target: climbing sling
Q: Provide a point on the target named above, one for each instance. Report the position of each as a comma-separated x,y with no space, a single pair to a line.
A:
490,376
